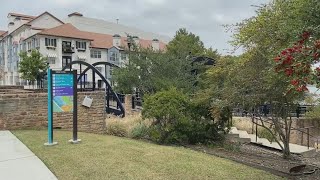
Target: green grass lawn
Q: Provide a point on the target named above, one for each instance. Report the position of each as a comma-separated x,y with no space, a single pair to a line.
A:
109,157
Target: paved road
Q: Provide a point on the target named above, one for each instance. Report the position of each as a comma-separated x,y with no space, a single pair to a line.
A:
18,162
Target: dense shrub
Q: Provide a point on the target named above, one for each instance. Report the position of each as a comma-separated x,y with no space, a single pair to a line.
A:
176,119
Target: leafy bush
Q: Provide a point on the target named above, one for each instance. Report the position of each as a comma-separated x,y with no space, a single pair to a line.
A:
176,119
140,131
169,111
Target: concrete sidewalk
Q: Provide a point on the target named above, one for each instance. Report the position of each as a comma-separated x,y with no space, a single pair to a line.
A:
18,162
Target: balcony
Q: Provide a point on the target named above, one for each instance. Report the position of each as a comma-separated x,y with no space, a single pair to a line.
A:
67,49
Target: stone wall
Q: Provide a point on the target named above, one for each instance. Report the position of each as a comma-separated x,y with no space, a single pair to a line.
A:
29,110
296,137
10,87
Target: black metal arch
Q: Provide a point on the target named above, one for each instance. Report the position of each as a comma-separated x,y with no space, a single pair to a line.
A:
96,64
89,66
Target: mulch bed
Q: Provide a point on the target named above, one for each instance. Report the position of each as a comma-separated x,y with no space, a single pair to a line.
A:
268,160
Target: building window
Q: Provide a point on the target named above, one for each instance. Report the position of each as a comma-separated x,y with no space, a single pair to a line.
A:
66,60
67,47
113,56
37,42
95,54
29,46
123,56
51,60
81,45
33,45
51,42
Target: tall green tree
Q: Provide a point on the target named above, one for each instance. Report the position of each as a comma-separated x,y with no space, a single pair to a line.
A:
31,65
253,80
185,43
152,71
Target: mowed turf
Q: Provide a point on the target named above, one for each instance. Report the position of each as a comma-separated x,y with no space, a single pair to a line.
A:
109,157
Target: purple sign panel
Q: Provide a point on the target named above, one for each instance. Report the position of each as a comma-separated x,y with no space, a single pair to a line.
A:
62,89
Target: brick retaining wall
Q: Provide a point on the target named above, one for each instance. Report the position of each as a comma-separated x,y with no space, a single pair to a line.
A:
29,110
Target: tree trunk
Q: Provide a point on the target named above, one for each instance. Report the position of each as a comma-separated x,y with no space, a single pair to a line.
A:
286,149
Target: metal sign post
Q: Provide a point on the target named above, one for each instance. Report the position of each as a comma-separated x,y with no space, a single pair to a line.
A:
75,139
62,97
50,110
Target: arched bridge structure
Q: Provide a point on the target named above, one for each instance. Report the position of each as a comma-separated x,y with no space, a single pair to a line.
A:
113,101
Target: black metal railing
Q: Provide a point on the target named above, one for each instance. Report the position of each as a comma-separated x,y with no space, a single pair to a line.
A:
67,49
113,102
300,111
301,130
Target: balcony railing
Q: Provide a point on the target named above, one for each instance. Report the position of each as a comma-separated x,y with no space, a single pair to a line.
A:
67,49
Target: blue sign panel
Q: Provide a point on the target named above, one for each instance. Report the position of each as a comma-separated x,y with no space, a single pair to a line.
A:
62,92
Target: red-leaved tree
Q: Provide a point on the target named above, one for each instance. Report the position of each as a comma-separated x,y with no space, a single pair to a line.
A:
299,63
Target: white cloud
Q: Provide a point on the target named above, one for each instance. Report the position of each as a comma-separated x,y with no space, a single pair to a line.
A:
154,2
64,3
203,18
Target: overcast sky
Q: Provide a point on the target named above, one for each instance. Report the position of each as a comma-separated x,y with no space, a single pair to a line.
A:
202,17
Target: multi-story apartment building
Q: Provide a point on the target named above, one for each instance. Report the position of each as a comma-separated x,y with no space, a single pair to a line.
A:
63,42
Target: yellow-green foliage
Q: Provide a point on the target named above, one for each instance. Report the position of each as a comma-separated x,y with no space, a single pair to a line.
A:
130,126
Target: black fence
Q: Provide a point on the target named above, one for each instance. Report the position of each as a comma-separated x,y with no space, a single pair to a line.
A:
136,101
265,110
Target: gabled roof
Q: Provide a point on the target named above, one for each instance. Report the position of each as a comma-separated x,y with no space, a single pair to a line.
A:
105,41
32,18
148,43
66,30
22,15
101,41
48,14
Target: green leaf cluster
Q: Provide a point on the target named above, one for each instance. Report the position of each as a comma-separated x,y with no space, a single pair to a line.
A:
31,65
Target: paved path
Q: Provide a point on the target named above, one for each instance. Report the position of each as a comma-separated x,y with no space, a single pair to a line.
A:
18,162
294,148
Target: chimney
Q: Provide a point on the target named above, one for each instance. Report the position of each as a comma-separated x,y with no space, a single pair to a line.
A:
116,40
136,40
155,45
75,14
